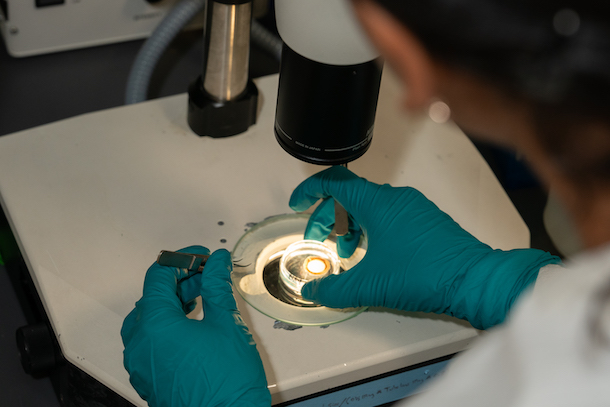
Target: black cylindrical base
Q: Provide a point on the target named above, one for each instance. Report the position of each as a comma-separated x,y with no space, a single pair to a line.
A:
325,113
210,117
36,349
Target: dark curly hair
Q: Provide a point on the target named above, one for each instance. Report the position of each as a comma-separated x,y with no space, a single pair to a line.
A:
552,54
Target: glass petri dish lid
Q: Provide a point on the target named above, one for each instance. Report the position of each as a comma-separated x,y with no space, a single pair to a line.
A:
255,274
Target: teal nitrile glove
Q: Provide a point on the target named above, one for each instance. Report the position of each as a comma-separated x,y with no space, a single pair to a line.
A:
418,258
179,362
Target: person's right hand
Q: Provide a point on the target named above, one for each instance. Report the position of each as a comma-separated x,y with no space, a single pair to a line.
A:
418,258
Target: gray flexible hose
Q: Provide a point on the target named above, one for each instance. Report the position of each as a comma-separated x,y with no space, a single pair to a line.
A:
266,40
154,47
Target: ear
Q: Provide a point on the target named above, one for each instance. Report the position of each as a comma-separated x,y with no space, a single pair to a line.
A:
402,50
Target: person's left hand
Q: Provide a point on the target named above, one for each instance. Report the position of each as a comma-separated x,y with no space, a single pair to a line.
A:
176,361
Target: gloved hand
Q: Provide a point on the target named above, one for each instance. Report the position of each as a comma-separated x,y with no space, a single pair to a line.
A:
418,258
176,361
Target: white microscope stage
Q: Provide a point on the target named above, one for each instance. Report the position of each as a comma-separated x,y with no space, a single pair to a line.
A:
92,200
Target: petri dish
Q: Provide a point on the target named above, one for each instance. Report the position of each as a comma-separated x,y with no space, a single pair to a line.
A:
301,262
256,278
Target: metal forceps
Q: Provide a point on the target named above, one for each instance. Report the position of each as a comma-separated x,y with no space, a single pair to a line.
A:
189,261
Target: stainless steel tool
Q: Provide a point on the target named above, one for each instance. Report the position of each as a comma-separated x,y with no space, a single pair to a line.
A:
341,220
341,217
189,261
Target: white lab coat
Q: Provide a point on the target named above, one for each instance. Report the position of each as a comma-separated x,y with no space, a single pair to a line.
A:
545,354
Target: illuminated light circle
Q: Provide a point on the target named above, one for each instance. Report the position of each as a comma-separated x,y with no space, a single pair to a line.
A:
439,112
317,265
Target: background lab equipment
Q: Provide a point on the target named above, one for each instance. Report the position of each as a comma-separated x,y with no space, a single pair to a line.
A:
92,199
41,26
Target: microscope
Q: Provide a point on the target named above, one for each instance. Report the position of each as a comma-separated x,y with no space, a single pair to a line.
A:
327,97
328,84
